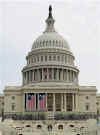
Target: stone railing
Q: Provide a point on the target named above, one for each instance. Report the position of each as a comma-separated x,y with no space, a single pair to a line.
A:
43,116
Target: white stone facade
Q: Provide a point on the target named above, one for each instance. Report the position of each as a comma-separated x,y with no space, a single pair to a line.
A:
50,71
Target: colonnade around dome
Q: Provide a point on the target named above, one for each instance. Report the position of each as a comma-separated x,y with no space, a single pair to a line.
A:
50,74
62,59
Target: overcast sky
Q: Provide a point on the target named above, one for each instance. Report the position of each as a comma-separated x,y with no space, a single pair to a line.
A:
22,21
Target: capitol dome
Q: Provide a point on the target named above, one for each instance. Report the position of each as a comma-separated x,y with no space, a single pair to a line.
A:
50,59
50,38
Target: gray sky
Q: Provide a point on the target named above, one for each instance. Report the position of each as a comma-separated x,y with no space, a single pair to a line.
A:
22,21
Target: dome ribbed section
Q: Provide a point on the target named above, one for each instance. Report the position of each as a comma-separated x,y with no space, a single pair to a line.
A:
50,40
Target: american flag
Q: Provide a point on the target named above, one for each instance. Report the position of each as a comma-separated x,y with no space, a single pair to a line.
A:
30,102
46,73
42,101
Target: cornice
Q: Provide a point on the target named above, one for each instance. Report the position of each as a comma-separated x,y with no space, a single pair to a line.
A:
50,65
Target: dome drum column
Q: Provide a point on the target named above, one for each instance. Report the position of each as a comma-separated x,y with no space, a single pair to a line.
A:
33,76
38,75
52,73
57,75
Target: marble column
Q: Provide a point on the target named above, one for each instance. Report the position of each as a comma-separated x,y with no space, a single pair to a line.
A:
58,74
72,76
33,76
67,75
29,77
73,102
42,74
26,78
77,107
61,74
47,74
62,102
52,73
46,102
65,107
54,102
35,101
38,74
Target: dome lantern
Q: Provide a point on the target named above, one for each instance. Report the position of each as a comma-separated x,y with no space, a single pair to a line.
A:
50,22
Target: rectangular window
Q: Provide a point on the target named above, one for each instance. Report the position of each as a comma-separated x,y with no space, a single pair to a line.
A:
55,72
13,107
58,58
87,107
38,59
41,58
54,57
49,58
45,58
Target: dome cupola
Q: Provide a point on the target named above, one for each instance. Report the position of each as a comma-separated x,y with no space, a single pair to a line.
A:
50,38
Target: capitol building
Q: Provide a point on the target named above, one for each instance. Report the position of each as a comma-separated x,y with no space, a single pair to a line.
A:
50,100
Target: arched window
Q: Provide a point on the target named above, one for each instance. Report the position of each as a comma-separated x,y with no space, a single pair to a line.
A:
60,127
28,126
49,127
71,125
39,126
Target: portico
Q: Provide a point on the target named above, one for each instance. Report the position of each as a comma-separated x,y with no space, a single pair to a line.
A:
55,102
